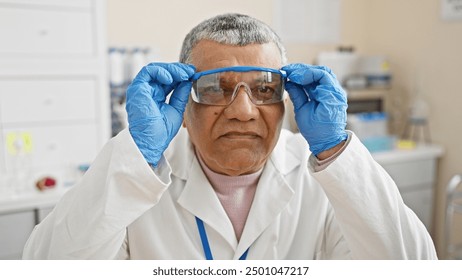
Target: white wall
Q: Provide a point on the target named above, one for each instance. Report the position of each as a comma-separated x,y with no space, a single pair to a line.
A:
162,25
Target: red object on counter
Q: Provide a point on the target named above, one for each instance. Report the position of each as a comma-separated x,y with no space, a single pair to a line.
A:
45,183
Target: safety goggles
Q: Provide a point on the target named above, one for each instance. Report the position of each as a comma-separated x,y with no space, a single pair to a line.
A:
220,86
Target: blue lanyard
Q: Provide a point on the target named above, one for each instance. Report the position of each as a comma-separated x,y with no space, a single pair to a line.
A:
205,242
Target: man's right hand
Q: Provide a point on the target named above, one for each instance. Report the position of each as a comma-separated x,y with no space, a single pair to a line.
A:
152,122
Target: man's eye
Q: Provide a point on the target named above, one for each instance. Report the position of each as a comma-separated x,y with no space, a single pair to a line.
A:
266,90
211,89
263,90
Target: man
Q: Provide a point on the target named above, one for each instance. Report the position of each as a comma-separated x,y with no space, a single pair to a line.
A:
231,184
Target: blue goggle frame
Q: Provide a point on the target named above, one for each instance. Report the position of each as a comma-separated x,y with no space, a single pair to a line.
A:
197,75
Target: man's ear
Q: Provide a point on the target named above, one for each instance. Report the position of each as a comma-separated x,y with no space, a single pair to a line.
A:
286,97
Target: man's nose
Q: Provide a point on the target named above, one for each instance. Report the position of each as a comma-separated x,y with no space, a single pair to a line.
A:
242,107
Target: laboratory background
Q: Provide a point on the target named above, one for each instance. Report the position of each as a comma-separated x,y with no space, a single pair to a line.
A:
65,65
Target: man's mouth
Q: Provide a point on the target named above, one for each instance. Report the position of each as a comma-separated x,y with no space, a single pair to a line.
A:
240,135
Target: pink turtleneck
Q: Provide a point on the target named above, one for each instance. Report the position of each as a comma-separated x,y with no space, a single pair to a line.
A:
235,193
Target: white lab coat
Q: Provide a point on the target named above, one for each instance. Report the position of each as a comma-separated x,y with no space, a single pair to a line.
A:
124,209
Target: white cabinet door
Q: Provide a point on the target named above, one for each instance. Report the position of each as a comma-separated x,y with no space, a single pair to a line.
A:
421,202
415,180
52,3
43,100
53,145
56,31
15,229
2,159
412,173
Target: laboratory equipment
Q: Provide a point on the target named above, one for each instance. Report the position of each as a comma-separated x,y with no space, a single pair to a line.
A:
376,70
118,81
220,86
343,63
372,129
124,65
357,71
417,128
453,207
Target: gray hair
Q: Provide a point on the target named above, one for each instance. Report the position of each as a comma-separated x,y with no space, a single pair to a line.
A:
231,29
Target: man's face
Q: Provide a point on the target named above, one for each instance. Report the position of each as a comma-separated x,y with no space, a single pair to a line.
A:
238,138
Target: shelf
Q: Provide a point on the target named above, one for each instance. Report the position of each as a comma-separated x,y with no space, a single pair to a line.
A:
367,93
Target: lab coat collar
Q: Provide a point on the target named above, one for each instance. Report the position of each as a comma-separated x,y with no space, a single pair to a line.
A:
197,189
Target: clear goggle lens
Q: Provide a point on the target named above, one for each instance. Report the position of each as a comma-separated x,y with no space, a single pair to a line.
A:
221,86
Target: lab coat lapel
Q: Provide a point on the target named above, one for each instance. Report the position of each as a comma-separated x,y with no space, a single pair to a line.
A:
199,198
272,196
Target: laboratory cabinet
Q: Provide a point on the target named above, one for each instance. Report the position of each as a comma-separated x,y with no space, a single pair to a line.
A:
414,172
54,105
15,228
54,94
46,29
19,215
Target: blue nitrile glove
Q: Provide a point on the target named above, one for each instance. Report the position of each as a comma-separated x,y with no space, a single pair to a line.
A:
152,122
320,105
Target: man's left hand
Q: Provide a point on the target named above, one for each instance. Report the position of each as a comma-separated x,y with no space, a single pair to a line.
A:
320,105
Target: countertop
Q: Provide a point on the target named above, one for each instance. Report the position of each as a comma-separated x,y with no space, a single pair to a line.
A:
420,152
30,200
